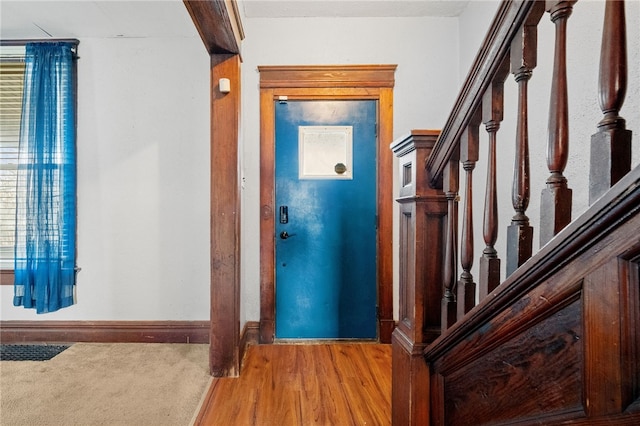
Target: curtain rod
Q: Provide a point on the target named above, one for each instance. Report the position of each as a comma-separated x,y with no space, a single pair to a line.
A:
21,42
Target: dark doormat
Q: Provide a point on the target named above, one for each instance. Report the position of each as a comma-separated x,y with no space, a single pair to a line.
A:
40,352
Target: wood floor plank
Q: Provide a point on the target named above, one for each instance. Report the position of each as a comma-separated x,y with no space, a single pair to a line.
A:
303,384
331,376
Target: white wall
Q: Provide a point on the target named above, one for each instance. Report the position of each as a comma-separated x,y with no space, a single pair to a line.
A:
474,23
430,72
143,143
424,90
143,182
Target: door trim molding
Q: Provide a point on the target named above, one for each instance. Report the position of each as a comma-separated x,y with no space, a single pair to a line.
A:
327,82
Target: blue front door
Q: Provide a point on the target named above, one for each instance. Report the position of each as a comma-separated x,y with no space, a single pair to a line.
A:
326,219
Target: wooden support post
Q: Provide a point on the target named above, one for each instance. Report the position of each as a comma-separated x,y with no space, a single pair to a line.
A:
423,214
224,357
213,22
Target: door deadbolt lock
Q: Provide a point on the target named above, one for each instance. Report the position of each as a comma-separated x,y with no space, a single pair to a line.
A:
284,214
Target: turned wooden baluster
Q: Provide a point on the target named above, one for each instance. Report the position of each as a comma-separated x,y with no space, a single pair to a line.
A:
450,188
469,141
492,110
611,146
523,61
555,204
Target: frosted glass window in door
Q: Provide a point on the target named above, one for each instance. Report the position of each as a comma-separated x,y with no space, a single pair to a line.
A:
325,152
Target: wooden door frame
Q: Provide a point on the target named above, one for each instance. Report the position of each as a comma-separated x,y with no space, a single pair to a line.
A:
327,82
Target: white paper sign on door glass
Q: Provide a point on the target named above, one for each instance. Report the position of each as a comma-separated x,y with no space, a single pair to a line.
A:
325,152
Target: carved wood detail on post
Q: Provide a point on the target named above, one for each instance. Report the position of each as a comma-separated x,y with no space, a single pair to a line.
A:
523,61
556,199
450,185
492,114
611,146
423,215
423,228
469,147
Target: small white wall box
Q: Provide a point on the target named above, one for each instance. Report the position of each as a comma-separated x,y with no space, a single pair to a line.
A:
224,85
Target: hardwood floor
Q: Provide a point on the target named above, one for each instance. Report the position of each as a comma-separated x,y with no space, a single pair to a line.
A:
323,384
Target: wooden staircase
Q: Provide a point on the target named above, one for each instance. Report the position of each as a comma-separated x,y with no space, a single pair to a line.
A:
558,340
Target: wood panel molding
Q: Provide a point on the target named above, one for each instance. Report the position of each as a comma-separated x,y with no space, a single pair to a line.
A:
331,76
328,82
105,331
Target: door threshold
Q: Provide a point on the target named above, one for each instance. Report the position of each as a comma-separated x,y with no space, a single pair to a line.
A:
320,341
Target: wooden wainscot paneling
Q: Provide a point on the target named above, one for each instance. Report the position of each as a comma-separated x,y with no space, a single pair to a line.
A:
559,340
612,340
545,360
630,328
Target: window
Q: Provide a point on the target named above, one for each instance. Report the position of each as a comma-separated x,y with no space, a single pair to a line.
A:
39,174
325,152
11,85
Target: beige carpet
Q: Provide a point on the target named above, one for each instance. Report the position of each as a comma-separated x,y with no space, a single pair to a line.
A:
112,384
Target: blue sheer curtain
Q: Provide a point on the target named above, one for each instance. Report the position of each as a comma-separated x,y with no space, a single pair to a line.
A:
45,252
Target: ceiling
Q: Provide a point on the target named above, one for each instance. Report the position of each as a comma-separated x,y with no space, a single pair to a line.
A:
352,8
169,18
107,18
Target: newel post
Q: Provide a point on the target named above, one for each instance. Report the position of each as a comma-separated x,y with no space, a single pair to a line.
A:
423,221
